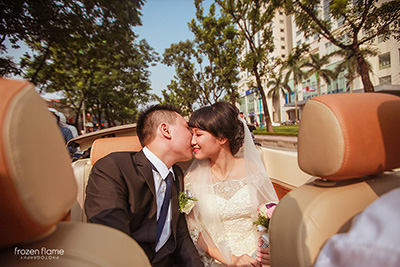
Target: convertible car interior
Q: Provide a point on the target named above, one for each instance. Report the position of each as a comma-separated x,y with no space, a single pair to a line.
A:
348,152
38,189
350,143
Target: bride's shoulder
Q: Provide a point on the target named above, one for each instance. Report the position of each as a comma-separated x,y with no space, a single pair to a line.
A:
239,168
239,161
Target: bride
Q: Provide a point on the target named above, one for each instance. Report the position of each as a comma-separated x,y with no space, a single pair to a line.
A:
229,182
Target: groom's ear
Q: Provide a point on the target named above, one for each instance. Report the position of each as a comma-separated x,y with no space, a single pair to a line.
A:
165,130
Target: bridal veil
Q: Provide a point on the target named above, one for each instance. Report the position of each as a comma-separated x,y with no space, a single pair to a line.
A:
200,184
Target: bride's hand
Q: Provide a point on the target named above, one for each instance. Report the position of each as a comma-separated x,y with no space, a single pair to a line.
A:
262,254
244,261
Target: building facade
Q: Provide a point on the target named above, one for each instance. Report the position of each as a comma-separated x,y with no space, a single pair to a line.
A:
250,99
385,73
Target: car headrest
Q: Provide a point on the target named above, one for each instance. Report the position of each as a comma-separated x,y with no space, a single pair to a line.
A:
37,185
344,136
104,146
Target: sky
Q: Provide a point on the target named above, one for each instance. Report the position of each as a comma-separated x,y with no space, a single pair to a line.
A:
164,23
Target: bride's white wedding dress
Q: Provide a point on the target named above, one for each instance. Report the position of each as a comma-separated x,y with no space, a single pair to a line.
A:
225,211
233,204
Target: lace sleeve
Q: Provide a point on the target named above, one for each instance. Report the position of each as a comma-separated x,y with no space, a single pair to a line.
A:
193,227
194,232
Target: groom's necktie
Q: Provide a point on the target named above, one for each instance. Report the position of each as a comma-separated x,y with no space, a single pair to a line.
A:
165,205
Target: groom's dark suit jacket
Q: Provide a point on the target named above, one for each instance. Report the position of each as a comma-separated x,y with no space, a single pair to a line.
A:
121,194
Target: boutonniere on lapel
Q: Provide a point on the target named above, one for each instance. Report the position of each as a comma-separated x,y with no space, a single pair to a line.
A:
186,202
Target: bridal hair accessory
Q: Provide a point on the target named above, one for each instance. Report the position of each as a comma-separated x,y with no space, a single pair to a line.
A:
186,202
264,213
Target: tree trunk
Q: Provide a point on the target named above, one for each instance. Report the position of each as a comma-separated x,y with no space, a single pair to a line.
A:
264,101
295,103
279,109
351,78
364,73
232,98
77,115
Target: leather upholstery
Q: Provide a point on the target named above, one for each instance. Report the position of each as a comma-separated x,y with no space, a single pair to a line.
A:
353,142
36,185
103,147
37,190
350,135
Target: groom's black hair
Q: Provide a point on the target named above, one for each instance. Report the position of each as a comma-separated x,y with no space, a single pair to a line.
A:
151,117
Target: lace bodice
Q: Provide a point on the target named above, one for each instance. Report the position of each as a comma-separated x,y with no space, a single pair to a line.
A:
233,204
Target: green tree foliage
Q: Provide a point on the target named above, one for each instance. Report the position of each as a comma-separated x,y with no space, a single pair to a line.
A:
252,18
110,76
350,64
316,65
57,22
277,86
218,40
88,50
294,65
190,85
361,21
206,68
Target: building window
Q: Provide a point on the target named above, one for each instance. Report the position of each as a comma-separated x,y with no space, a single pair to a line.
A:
329,48
298,43
281,21
327,14
340,21
298,33
282,30
282,38
384,61
283,47
385,80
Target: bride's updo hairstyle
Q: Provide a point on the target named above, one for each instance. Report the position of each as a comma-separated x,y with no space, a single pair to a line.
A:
221,120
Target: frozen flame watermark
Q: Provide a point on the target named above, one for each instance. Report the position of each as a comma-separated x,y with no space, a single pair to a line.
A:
38,254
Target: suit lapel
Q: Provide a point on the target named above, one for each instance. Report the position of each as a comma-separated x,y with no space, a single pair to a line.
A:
145,170
175,201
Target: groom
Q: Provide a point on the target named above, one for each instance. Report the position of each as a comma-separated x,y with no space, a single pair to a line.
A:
137,192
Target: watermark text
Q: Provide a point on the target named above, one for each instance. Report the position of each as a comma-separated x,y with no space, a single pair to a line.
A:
42,253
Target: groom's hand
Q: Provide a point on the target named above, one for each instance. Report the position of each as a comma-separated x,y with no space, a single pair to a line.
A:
262,254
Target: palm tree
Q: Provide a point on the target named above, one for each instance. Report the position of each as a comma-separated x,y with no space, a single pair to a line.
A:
277,86
294,64
316,67
350,63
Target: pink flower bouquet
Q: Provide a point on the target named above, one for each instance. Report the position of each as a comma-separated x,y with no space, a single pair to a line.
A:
264,213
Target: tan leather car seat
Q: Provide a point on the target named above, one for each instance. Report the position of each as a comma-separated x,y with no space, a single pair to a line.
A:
100,148
352,142
37,190
103,147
